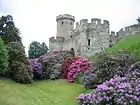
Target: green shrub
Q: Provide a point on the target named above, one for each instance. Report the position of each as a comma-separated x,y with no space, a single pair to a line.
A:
19,66
21,72
3,58
16,52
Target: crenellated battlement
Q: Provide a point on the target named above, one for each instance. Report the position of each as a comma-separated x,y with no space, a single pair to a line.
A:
57,39
129,30
123,32
60,39
65,16
84,22
95,22
51,39
113,33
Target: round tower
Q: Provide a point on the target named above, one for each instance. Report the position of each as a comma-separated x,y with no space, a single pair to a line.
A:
65,23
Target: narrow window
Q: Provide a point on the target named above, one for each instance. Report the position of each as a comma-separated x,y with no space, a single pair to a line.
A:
88,42
62,22
70,23
101,48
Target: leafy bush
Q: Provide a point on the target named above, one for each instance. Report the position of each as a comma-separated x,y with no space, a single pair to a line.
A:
3,58
19,66
78,67
116,91
21,72
16,52
55,72
108,65
48,66
50,60
64,67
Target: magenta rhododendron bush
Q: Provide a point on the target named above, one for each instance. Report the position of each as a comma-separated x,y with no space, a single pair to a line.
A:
81,65
65,66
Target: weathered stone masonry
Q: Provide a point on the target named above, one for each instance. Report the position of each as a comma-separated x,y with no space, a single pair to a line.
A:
86,38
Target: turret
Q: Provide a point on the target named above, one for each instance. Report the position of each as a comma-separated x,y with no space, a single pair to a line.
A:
65,24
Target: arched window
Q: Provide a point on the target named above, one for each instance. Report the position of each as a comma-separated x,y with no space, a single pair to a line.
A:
72,52
102,48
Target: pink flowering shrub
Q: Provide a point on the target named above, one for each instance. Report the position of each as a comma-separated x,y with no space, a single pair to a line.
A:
116,91
65,66
79,66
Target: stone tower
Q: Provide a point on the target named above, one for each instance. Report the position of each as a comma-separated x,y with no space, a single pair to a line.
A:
65,24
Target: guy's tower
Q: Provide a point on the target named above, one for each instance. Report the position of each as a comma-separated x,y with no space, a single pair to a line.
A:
65,23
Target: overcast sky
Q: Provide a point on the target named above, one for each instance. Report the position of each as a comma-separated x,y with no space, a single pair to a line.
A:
36,19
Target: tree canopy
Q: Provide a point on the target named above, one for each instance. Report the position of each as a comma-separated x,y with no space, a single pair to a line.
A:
36,49
138,20
8,30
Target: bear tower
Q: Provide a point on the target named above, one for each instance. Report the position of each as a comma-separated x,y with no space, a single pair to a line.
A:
65,24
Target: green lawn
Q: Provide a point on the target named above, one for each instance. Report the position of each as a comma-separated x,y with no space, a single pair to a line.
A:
125,43
46,92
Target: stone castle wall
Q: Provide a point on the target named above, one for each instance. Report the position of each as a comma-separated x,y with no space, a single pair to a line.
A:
87,38
124,32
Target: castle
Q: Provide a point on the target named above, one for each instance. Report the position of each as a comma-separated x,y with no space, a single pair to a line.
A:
86,38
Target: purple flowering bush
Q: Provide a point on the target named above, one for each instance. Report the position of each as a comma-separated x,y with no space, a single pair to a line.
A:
80,66
117,80
116,91
106,66
89,80
37,67
48,66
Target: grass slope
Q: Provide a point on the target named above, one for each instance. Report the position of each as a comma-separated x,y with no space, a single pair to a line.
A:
58,92
125,43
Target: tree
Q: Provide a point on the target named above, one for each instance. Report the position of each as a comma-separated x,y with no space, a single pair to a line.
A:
138,20
37,49
44,48
8,31
20,70
3,58
16,52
